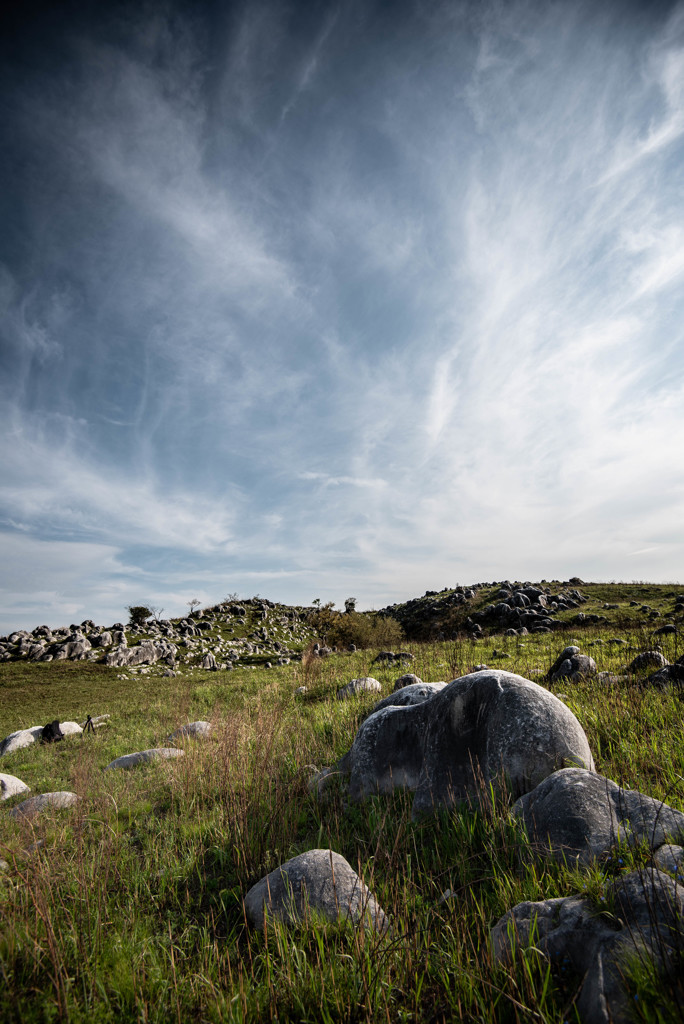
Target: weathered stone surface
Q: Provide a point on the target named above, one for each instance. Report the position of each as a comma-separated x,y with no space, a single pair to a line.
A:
670,857
143,756
319,882
146,653
646,921
192,731
571,664
44,802
70,728
10,785
667,678
647,659
477,729
366,684
415,693
408,679
20,738
579,816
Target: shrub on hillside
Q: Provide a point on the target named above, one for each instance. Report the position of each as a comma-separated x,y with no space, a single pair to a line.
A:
139,614
363,629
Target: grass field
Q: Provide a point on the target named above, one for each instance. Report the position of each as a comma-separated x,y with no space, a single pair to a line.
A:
129,908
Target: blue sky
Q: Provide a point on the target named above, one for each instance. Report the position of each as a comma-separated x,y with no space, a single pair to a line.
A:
320,300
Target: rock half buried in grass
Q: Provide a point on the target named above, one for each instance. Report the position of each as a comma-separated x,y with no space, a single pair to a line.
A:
44,802
192,731
317,883
19,739
366,684
143,756
578,816
642,918
571,664
70,728
408,679
10,785
477,729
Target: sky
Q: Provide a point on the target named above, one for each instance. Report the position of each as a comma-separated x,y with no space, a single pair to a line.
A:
319,300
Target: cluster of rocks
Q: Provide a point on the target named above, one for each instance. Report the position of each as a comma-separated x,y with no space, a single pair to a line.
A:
55,731
519,607
489,730
526,609
201,638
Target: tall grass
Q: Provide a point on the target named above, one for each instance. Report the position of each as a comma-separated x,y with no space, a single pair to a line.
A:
130,908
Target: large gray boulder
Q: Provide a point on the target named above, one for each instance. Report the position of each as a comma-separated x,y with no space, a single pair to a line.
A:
45,802
143,757
578,816
643,918
10,786
483,728
318,881
21,738
146,653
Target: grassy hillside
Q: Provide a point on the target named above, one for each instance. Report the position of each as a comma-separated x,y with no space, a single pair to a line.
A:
130,907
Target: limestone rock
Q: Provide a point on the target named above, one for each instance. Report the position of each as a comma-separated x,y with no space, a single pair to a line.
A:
464,736
193,730
414,693
10,785
318,881
21,738
647,659
143,756
579,816
70,728
571,664
670,857
668,677
366,684
147,653
646,921
44,802
408,679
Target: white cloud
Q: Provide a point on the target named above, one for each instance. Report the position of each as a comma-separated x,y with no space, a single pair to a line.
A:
408,321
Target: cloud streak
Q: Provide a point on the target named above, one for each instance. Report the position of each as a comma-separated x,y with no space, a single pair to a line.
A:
344,302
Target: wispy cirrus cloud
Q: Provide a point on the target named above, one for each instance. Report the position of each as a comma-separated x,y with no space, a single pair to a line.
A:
344,301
